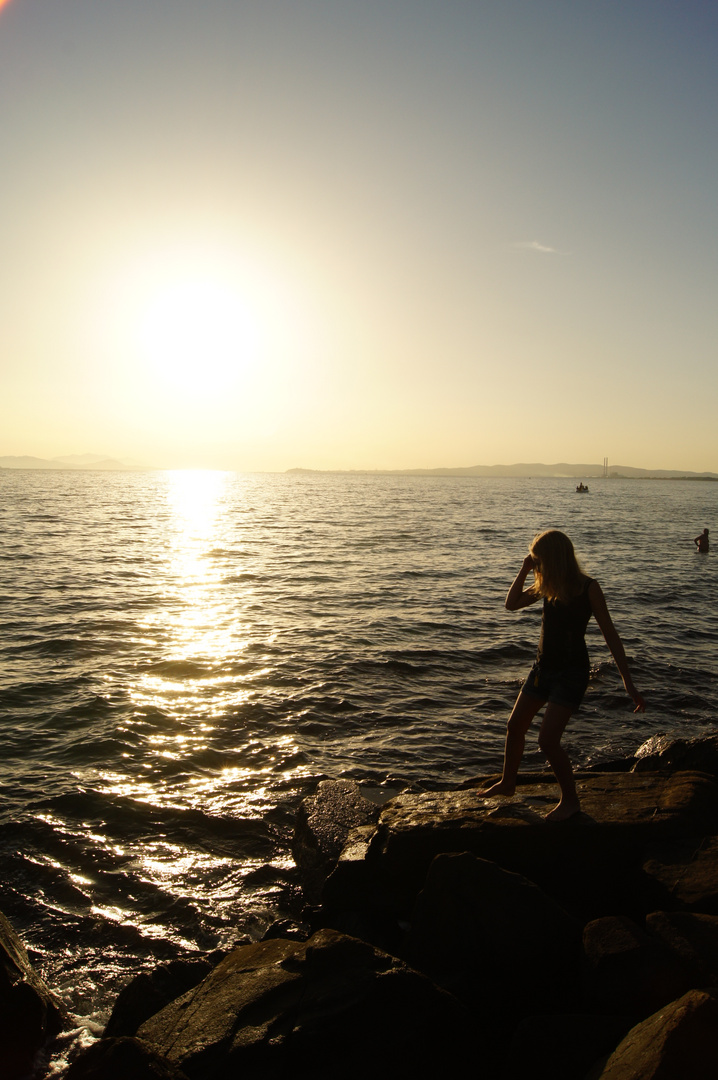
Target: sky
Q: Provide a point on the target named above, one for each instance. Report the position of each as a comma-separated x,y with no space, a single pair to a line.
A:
359,234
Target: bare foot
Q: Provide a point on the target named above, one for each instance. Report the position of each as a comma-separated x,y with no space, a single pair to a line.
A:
564,810
501,787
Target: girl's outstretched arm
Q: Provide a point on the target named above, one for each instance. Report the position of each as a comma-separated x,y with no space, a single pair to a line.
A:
598,605
518,597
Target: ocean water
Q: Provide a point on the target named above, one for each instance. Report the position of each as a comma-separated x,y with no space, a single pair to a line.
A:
185,655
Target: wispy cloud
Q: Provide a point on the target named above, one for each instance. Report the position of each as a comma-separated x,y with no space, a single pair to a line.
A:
533,245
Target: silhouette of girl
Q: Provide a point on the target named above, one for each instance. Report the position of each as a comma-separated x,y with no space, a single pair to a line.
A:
559,676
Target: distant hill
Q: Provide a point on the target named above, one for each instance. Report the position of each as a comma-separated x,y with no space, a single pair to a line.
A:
561,469
73,461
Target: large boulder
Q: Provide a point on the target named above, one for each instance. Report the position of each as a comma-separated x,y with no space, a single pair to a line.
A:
665,753
150,991
280,1008
494,939
591,863
322,825
680,1042
30,1015
122,1059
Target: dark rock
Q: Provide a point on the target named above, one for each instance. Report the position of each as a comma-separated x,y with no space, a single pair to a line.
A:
378,929
693,939
688,872
590,864
494,939
282,1007
323,823
122,1059
150,991
663,753
680,1042
624,764
30,1015
629,972
286,928
562,1046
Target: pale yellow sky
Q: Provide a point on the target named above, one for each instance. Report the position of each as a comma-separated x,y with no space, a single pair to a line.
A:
334,235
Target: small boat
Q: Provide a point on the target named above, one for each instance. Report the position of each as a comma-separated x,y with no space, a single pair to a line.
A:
582,487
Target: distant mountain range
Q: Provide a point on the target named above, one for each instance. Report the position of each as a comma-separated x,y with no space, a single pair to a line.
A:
72,461
562,469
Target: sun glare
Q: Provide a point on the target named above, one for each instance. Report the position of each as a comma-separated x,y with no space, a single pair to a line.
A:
198,335
196,347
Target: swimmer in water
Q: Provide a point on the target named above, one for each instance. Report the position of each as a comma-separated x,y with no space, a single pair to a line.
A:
701,541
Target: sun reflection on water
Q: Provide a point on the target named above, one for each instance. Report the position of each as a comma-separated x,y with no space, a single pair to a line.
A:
200,628
188,746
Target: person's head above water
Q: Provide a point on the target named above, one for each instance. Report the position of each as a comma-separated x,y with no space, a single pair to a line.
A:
557,573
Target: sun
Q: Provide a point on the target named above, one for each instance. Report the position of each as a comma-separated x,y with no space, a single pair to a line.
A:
198,334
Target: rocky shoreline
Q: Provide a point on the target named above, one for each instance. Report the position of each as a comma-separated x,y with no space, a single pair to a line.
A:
445,931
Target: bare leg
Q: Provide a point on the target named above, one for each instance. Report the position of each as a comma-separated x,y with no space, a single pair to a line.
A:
554,722
522,714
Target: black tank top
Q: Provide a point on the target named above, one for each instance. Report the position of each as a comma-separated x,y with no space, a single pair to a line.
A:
563,630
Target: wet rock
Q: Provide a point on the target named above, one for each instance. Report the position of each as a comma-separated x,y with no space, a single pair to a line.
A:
662,752
286,928
149,992
280,1008
680,1042
590,864
494,939
323,823
687,870
562,1046
629,972
122,1059
30,1015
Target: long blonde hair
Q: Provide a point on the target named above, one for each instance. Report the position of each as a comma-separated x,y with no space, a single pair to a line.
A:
557,572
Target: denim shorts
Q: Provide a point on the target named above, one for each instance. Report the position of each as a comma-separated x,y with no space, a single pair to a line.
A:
562,686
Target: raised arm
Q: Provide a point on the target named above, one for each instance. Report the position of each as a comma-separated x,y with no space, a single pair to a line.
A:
517,597
598,606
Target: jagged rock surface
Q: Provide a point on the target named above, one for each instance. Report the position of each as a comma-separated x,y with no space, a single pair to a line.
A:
324,821
662,752
284,1007
149,992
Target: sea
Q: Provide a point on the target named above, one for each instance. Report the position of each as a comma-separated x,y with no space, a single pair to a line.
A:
185,655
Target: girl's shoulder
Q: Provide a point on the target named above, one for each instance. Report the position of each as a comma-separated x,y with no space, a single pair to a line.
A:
586,585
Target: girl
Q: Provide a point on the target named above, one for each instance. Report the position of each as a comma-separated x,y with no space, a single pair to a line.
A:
559,676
